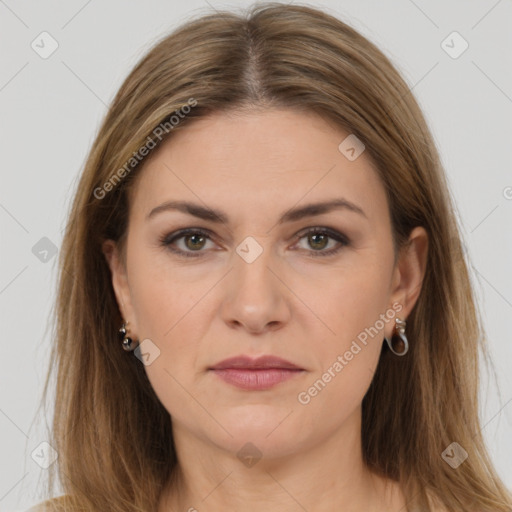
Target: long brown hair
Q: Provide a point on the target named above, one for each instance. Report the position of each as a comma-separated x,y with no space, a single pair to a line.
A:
112,434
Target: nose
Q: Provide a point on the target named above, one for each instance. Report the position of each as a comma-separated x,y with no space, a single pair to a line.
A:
255,297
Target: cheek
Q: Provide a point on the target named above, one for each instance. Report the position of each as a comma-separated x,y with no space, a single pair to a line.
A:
352,306
170,310
352,300
161,294
349,357
166,315
170,316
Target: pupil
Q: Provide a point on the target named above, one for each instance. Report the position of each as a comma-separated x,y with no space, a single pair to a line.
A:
321,236
194,237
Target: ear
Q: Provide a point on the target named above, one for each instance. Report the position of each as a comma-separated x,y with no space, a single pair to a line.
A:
120,282
409,273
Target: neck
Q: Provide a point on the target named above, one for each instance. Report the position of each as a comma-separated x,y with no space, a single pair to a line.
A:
326,476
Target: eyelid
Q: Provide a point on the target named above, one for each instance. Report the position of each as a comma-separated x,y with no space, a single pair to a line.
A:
333,233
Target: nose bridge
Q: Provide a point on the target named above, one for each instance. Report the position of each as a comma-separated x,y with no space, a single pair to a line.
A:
251,264
254,297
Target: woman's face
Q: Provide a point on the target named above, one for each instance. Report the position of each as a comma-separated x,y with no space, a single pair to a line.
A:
256,283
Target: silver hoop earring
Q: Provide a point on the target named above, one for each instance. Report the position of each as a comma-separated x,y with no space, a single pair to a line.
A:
398,344
127,342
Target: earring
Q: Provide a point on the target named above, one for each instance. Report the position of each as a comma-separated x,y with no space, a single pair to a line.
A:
128,343
399,339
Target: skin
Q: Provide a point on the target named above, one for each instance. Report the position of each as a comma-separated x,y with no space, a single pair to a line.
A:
200,310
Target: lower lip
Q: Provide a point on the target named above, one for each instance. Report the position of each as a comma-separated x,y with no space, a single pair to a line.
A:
255,379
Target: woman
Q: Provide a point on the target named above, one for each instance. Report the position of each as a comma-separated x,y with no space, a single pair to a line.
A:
265,223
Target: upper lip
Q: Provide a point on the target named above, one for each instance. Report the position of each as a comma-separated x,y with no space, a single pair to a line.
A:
262,362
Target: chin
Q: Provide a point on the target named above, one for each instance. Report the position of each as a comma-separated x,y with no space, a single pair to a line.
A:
252,447
267,434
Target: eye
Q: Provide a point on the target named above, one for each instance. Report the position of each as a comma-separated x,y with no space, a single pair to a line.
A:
318,238
194,240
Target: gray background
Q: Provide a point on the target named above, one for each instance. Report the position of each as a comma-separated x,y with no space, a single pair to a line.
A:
51,109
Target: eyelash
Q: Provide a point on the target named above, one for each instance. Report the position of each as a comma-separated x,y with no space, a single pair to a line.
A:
167,240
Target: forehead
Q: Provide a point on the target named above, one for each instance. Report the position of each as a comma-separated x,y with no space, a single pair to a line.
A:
258,160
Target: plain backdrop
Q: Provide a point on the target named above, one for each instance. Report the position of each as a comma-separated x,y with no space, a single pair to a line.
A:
51,109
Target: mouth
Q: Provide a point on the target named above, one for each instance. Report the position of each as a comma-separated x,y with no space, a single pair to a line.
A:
256,379
256,374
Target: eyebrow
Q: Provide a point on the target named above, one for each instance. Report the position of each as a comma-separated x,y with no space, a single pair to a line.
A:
294,214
